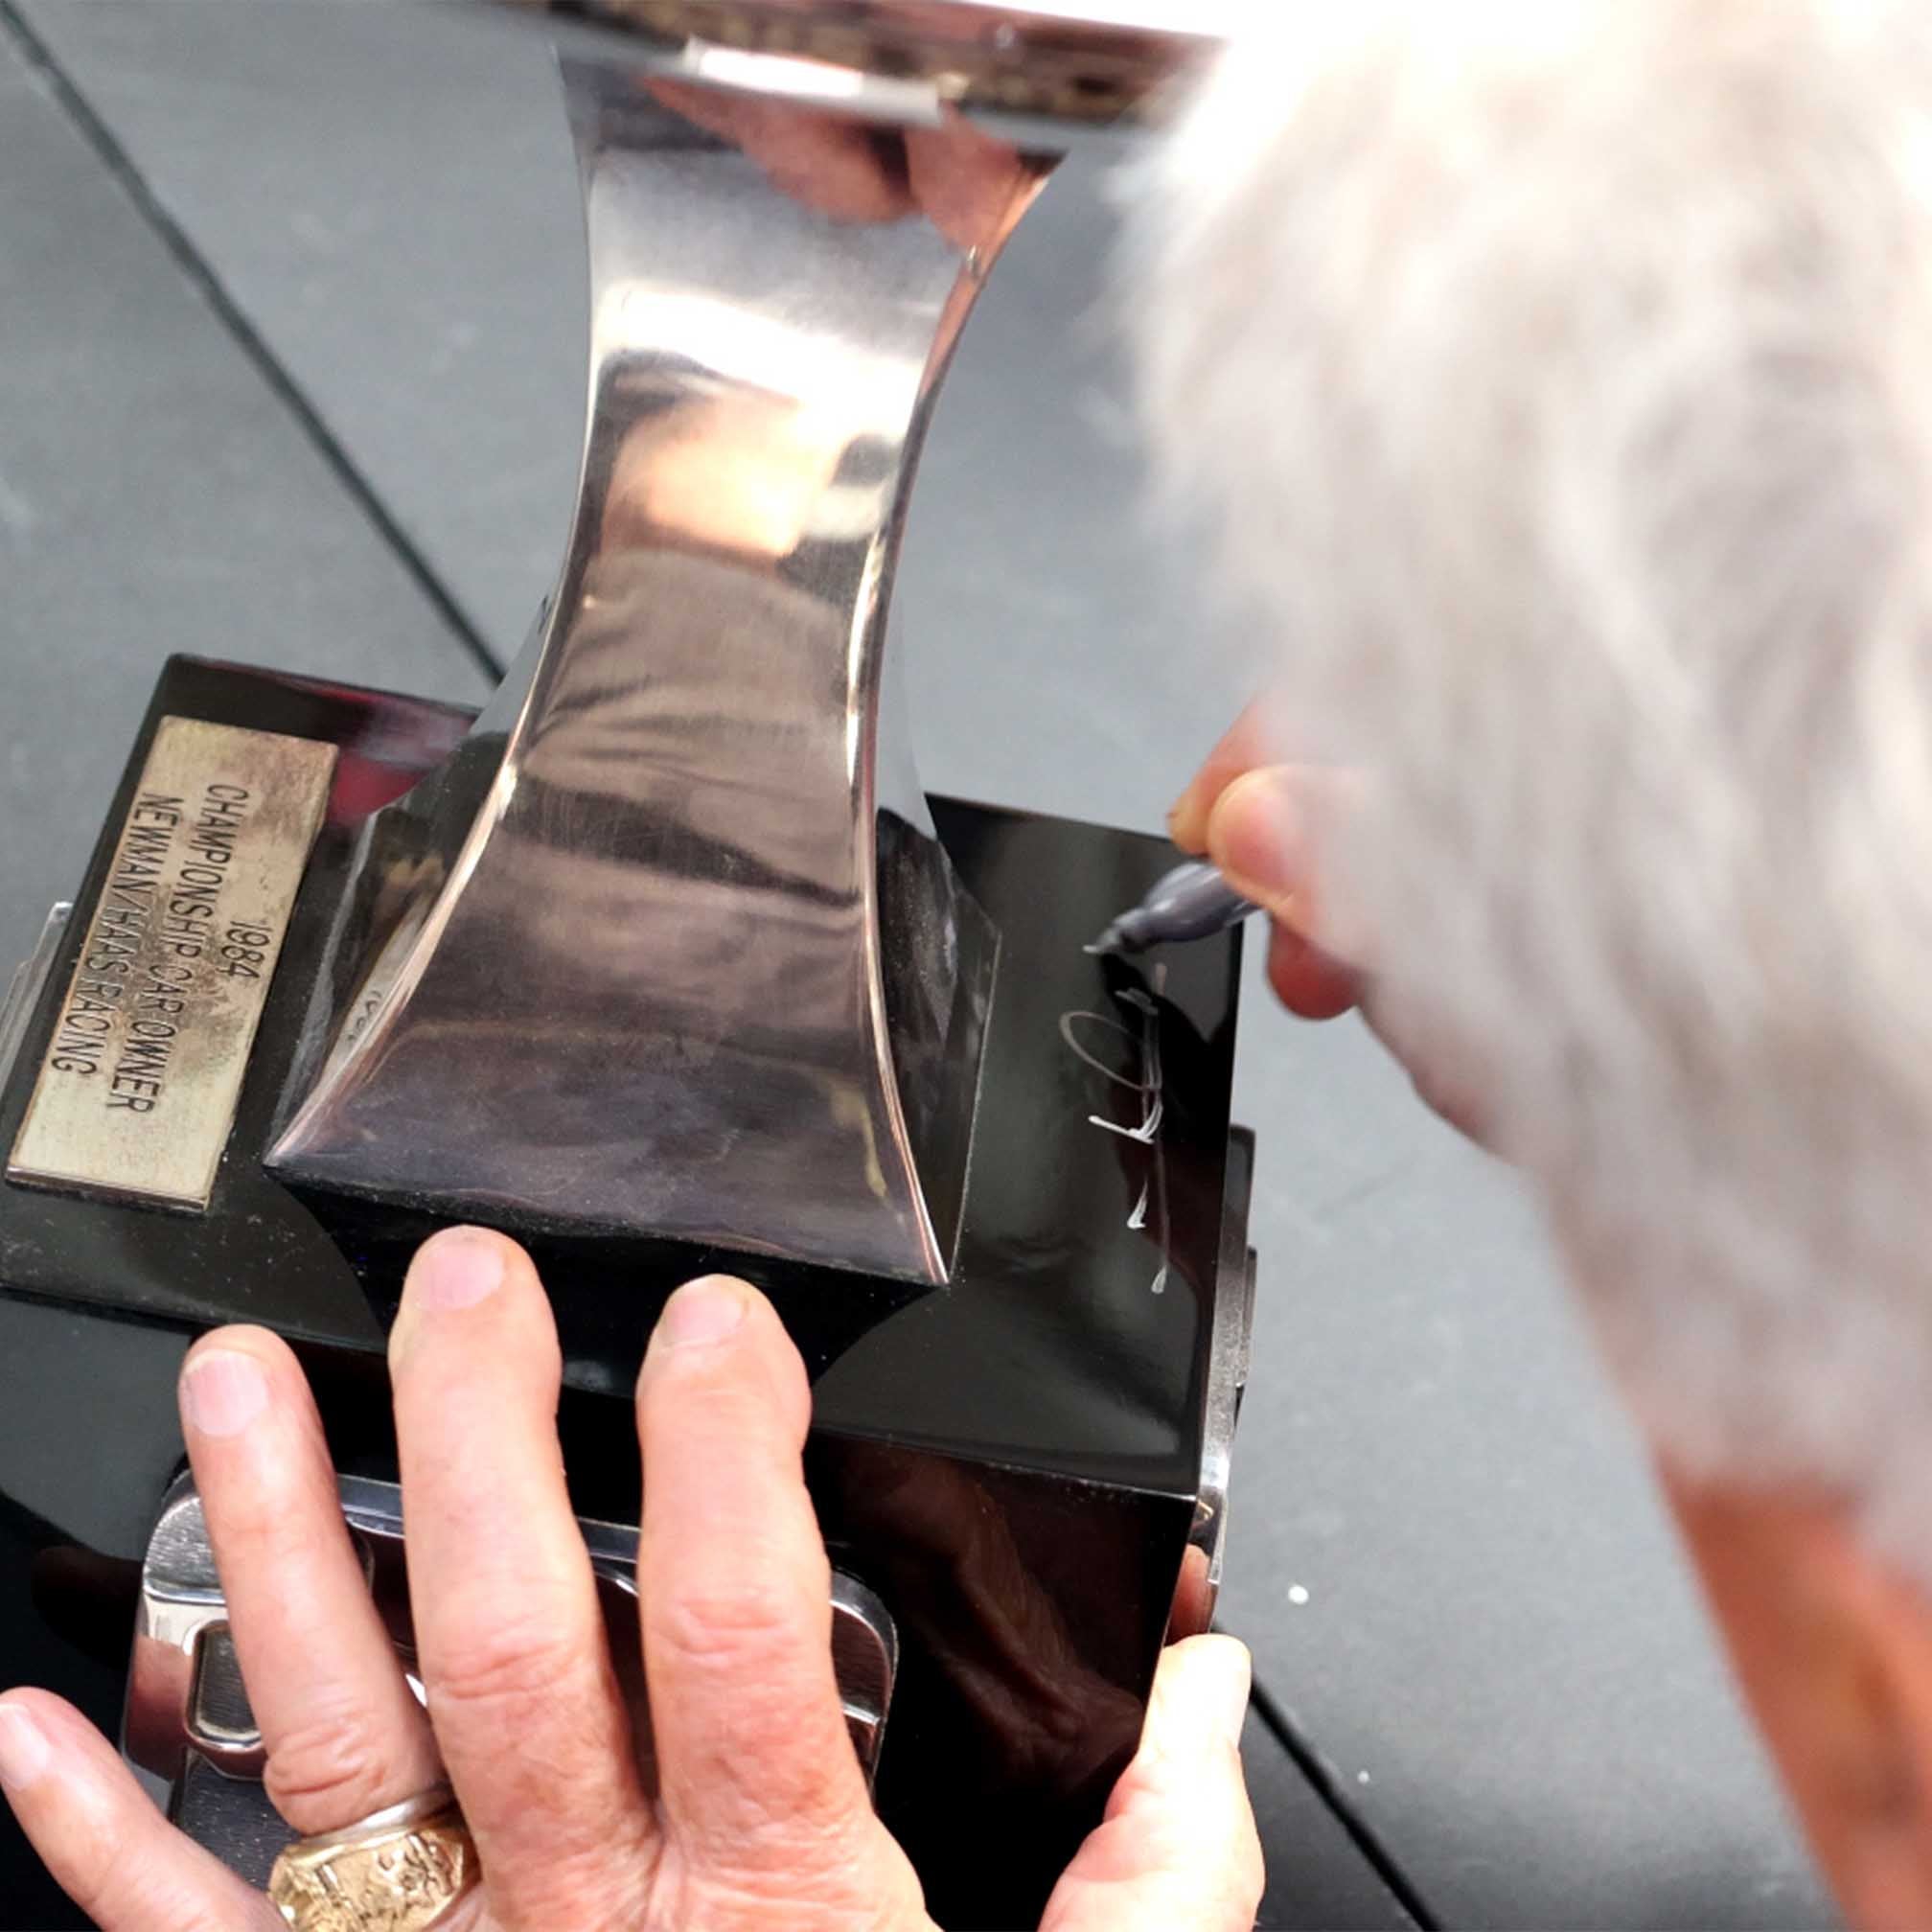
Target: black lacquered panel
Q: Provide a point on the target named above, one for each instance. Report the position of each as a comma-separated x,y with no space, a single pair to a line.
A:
1071,1336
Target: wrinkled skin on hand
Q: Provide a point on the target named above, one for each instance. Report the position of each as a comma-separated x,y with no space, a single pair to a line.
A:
745,1811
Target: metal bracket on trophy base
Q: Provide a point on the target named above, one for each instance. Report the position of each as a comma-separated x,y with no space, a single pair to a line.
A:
1028,1464
189,1724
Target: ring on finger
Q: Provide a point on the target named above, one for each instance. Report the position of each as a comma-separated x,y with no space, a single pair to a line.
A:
398,1869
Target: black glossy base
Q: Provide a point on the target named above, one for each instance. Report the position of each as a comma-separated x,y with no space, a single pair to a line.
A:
1011,1461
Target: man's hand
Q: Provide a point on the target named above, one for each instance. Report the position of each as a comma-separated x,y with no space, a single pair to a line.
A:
1253,817
745,1812
1249,813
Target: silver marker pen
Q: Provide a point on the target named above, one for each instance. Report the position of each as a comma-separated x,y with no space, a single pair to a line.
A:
1191,902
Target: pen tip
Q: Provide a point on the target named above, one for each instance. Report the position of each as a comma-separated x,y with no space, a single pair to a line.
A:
1108,942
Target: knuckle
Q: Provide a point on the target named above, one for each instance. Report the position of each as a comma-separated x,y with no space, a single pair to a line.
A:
723,1631
503,1669
250,1521
332,1762
270,1515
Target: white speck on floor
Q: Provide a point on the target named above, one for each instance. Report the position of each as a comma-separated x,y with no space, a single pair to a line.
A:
1296,1594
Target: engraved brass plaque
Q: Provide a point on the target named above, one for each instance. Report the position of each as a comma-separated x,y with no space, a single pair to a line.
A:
137,1089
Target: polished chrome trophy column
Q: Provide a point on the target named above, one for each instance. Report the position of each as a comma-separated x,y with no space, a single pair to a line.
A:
665,962
676,912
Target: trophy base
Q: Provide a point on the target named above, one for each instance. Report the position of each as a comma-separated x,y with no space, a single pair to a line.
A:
1024,1465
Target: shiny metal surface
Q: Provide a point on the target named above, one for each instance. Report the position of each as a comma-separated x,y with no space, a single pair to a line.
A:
669,944
865,1655
1047,71
1228,1351
186,1700
29,977
181,1604
1225,1378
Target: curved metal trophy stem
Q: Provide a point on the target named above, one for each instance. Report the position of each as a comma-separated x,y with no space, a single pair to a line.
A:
669,944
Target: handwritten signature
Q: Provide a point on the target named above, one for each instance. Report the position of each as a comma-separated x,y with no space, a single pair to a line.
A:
1144,1082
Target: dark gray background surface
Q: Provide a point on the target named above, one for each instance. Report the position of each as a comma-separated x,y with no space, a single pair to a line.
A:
356,459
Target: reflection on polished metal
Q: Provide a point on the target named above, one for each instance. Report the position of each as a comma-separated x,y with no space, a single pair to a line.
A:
185,1695
670,945
1061,66
30,976
1228,1354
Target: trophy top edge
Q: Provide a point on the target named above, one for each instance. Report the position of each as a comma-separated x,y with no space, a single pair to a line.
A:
1054,67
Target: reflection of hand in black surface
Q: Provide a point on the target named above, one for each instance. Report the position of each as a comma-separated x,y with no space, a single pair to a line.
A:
955,1573
758,1818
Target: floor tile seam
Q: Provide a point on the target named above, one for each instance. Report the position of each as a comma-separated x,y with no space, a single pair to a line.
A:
68,95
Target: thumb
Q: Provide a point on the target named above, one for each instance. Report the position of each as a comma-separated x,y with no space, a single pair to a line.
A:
1261,836
1257,834
1178,1846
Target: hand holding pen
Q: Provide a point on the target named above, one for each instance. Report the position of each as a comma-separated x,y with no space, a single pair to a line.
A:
1244,819
1249,817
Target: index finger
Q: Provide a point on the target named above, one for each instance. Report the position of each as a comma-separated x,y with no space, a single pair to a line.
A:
754,1762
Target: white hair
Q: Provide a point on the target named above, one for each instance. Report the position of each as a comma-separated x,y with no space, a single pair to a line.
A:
1558,377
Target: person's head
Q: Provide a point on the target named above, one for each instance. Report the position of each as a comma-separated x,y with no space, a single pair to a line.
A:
1558,377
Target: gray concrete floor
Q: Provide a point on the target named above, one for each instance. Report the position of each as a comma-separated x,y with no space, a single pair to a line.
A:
291,370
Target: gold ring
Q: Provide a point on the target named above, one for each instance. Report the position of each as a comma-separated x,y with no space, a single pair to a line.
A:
396,1871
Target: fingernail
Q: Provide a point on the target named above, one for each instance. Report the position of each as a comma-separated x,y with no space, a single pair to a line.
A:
1255,837
456,1268
701,1311
1184,819
223,1392
24,1750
